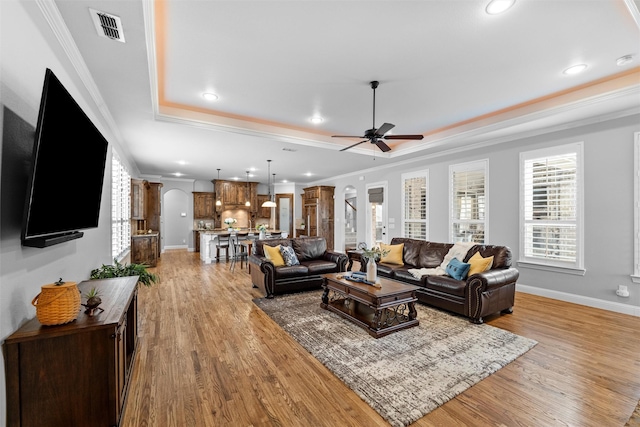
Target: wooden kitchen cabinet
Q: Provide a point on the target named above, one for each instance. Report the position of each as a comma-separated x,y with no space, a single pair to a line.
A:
204,205
233,194
263,212
76,374
139,189
318,205
145,249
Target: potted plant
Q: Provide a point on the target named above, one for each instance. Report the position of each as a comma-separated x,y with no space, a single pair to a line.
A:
125,270
230,222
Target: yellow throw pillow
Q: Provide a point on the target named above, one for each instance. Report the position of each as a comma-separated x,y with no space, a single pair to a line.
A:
273,254
395,253
479,264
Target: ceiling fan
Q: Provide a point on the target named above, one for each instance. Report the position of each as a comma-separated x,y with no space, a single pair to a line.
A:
375,136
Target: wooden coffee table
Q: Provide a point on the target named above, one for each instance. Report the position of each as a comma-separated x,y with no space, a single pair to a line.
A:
380,311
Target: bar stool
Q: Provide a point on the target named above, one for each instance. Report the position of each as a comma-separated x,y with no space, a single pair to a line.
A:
223,243
239,250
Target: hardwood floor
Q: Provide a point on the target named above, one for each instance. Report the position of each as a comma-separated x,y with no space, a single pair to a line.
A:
208,356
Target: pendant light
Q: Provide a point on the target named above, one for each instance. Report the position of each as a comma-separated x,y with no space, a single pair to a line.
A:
247,195
269,203
218,202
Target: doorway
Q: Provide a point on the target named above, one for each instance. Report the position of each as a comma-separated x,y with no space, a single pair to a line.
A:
284,213
350,218
376,217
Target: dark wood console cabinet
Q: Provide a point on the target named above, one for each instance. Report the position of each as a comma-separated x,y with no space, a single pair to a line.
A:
75,374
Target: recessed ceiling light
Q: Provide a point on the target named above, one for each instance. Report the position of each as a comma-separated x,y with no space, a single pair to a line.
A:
317,120
498,6
575,69
181,162
210,96
624,60
308,174
178,174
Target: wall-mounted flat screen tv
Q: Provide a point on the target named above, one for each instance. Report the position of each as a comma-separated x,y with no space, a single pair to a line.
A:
65,185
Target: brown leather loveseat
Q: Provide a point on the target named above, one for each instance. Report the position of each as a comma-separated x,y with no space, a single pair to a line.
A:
314,260
475,296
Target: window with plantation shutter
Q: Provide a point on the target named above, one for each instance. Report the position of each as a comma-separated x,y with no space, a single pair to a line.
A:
415,218
551,206
468,202
120,208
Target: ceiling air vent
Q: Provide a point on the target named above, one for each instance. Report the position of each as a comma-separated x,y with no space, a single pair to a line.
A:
107,25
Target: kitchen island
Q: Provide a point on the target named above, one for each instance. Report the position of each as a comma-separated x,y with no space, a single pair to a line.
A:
208,238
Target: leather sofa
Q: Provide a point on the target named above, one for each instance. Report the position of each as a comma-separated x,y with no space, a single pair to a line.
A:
314,259
476,296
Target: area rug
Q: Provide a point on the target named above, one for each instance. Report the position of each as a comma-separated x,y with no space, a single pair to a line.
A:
634,421
404,375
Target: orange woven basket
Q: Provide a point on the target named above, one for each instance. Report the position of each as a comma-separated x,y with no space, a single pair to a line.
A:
57,304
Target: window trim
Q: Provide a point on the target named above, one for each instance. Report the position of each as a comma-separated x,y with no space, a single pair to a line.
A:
474,165
577,267
409,175
635,277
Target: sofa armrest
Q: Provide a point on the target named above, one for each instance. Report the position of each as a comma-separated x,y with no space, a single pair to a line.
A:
263,276
339,258
494,278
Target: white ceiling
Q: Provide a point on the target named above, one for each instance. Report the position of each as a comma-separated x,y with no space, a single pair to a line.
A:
447,70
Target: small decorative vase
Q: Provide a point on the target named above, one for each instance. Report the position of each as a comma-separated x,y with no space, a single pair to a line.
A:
263,235
372,270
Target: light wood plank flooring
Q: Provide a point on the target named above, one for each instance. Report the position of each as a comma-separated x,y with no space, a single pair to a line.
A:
209,357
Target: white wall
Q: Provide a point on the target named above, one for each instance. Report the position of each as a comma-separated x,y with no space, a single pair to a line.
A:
24,270
609,211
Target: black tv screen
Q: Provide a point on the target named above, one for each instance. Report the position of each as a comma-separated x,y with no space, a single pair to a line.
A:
65,185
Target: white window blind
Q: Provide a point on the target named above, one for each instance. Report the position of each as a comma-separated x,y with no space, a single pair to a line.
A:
415,205
551,203
120,208
468,202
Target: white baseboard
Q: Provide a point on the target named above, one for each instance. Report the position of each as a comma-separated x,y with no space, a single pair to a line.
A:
176,247
617,307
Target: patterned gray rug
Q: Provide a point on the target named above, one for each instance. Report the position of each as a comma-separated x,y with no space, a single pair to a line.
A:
444,355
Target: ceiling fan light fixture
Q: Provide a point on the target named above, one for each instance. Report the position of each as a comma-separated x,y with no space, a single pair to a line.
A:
496,7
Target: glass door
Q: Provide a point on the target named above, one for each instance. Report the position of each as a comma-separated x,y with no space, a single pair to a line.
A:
376,214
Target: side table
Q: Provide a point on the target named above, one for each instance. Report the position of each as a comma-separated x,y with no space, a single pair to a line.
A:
354,255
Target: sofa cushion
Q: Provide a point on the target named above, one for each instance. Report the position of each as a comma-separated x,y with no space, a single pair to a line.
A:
479,264
404,276
272,253
320,266
432,254
501,254
446,284
286,272
411,249
394,253
385,270
309,248
457,269
289,255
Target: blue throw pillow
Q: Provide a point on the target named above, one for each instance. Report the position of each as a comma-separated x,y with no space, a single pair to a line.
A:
289,255
457,269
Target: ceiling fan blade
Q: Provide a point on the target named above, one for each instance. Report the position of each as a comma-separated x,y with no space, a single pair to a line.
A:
351,146
386,127
381,145
404,137
347,136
